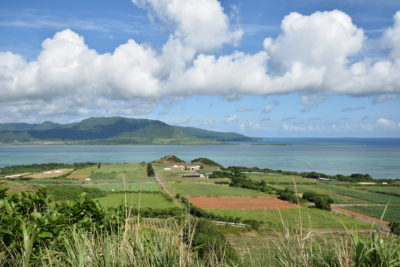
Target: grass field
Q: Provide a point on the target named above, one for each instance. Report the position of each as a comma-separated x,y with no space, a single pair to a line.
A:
331,191
281,179
391,190
211,190
310,218
134,170
366,195
128,187
142,200
82,173
392,213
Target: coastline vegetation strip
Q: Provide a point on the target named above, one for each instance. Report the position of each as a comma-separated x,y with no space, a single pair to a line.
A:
391,214
310,218
137,200
212,190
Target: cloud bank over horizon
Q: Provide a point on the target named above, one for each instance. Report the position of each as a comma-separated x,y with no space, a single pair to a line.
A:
315,55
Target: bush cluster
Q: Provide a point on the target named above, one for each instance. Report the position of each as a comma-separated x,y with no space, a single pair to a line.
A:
212,247
321,201
288,195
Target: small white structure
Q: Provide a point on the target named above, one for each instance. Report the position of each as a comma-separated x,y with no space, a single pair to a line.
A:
384,183
194,175
324,179
13,176
167,169
87,179
58,171
48,172
179,167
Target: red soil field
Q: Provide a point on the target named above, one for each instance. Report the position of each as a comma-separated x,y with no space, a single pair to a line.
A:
243,203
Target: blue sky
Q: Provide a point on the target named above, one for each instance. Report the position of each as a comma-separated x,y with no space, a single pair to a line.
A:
305,68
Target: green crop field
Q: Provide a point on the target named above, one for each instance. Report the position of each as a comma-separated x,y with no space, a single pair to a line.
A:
392,213
330,190
391,190
128,187
281,179
101,176
137,200
366,195
85,170
49,181
212,190
135,170
310,218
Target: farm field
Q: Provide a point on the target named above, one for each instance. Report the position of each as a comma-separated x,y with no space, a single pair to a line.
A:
392,212
137,200
82,173
134,169
310,218
391,190
49,174
119,187
366,195
247,203
331,190
176,177
211,190
280,178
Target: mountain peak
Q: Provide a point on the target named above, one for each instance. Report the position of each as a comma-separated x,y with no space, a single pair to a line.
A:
113,130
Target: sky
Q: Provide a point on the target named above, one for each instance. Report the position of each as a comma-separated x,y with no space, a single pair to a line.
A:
266,68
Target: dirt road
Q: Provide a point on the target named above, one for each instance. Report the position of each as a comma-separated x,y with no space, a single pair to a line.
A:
162,184
363,217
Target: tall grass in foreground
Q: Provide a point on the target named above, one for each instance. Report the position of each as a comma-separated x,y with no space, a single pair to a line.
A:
302,246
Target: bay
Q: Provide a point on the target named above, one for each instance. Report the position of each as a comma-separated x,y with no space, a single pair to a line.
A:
379,157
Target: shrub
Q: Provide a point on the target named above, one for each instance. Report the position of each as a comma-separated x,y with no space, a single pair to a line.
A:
212,247
321,201
288,195
395,228
150,170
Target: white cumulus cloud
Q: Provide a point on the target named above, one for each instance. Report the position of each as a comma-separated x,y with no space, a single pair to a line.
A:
319,54
387,123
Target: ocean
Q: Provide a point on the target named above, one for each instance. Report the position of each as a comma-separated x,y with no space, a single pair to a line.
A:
379,157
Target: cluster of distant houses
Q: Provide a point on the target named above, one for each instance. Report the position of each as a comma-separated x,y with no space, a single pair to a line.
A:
183,168
187,168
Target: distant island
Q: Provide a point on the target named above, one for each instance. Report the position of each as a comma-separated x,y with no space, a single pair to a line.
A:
113,131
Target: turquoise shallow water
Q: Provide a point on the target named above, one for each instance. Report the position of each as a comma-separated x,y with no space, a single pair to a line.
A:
378,157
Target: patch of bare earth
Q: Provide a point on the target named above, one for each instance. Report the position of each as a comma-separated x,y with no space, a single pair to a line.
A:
244,203
50,174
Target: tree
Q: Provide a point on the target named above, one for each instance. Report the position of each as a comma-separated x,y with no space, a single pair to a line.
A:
150,170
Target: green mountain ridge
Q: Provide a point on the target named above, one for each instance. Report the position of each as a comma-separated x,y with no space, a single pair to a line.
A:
112,130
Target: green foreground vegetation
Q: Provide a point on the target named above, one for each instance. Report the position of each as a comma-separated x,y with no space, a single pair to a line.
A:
122,215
